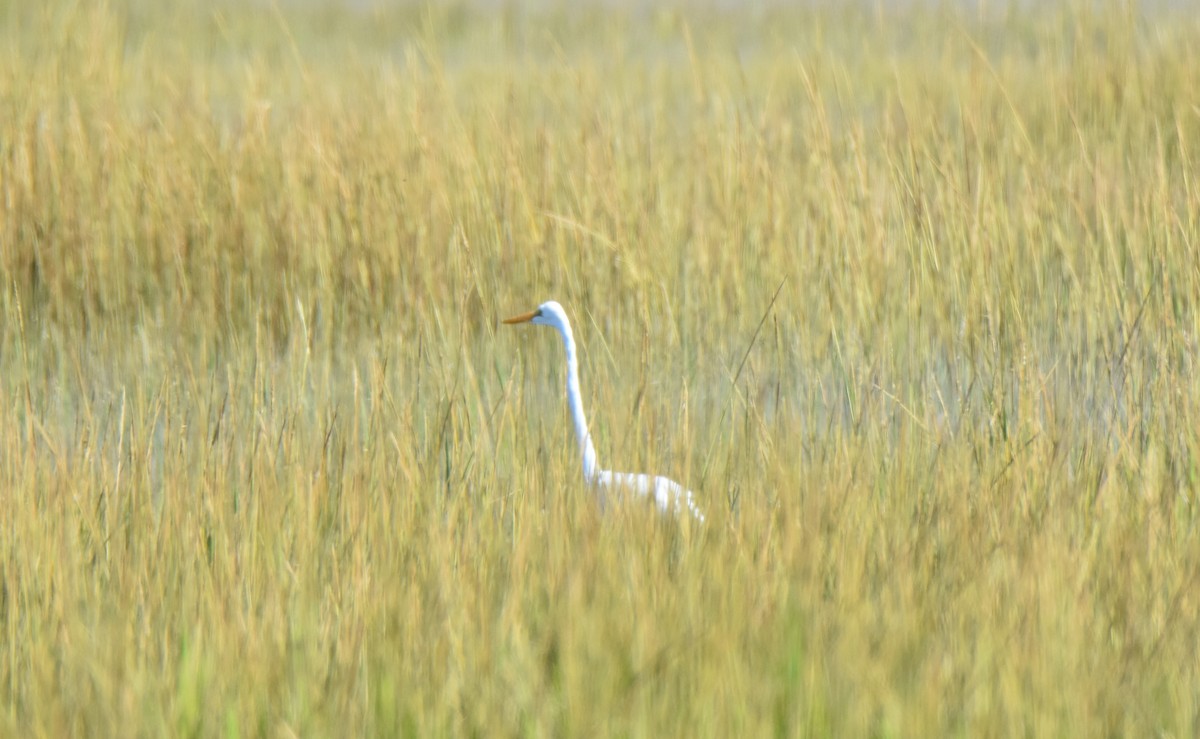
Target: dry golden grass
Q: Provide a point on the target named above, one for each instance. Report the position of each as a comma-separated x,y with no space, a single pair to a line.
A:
269,467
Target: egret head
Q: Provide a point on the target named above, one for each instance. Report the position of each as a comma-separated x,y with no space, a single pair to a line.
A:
549,313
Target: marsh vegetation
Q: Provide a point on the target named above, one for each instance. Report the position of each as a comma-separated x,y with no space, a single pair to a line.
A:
270,467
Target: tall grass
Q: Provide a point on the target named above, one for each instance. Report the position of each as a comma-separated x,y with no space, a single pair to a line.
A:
269,466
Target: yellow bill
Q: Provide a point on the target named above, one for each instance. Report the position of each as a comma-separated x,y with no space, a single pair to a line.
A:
524,317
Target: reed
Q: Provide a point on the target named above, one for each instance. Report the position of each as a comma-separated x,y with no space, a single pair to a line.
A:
269,465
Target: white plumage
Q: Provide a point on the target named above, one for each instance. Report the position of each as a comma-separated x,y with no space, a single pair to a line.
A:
668,495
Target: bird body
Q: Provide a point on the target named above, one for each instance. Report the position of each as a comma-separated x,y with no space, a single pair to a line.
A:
668,495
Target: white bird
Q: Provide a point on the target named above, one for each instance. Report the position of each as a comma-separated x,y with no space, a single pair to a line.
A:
667,493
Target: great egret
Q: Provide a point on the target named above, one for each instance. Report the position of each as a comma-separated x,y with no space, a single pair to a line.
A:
667,493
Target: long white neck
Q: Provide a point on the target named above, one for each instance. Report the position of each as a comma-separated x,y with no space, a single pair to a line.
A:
591,467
